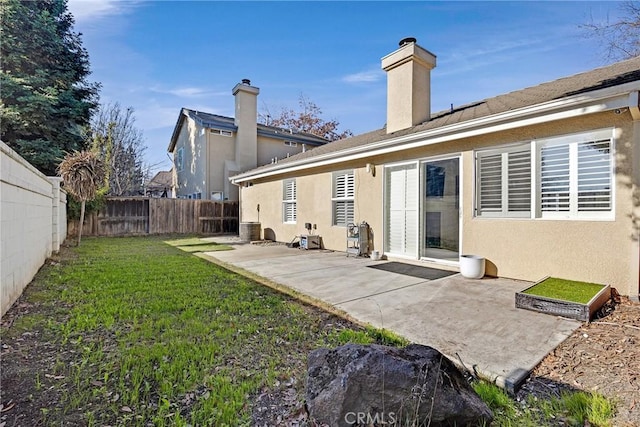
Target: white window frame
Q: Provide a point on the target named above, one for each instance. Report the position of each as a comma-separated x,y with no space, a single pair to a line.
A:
291,143
573,141
505,210
343,194
289,201
179,159
221,132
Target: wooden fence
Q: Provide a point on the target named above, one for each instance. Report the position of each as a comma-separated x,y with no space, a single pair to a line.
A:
142,215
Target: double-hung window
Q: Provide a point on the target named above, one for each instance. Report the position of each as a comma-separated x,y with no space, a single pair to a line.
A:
576,176
342,197
504,182
289,201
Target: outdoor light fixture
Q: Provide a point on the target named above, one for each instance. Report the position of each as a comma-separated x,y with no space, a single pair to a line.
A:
371,168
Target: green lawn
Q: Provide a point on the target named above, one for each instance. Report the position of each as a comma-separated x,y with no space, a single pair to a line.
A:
567,290
163,337
135,332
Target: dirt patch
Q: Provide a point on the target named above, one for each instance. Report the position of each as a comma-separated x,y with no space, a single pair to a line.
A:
601,356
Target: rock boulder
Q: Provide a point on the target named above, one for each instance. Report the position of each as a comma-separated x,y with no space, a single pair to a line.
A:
373,384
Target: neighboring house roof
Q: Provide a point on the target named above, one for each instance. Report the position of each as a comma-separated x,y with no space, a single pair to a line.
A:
214,121
572,87
162,179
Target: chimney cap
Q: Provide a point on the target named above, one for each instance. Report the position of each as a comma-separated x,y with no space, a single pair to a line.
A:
407,40
246,82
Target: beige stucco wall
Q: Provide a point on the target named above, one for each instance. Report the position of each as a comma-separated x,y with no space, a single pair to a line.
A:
596,251
408,86
192,178
527,249
314,191
219,149
269,148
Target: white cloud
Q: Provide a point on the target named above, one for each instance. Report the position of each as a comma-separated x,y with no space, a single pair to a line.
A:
88,10
464,60
190,92
155,116
370,76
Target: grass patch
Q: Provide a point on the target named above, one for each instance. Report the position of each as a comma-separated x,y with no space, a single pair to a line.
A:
185,241
146,334
567,290
205,247
569,408
195,244
369,335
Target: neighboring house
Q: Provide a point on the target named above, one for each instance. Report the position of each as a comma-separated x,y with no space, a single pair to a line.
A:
540,181
161,185
208,149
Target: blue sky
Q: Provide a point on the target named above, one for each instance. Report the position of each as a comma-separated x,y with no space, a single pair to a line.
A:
159,56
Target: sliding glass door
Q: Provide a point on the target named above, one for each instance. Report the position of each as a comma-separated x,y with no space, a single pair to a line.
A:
401,210
441,209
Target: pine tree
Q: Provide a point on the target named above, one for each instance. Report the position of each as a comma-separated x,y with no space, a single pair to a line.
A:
46,100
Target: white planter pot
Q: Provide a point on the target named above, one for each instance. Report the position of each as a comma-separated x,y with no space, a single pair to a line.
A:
472,266
375,255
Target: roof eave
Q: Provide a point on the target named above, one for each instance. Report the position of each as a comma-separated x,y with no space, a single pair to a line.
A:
586,103
176,131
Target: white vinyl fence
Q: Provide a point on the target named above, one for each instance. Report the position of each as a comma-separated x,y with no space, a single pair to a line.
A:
33,222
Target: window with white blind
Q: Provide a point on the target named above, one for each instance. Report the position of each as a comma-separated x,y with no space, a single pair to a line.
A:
504,182
576,176
289,201
342,198
569,177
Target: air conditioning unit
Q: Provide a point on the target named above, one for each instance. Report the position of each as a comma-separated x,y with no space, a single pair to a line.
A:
309,241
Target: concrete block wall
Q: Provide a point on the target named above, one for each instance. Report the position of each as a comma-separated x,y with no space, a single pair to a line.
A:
33,219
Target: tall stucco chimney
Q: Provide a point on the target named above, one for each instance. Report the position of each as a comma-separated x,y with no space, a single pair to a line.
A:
408,85
246,119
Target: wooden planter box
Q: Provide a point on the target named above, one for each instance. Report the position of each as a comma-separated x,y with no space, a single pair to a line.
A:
570,309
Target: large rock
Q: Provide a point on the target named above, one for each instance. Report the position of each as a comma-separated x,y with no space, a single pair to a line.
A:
373,384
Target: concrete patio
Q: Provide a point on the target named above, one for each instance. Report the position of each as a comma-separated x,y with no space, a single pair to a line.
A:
473,322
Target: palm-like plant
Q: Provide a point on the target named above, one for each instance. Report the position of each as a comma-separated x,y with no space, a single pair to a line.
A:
83,174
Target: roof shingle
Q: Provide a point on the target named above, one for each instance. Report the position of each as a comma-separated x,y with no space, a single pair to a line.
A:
599,78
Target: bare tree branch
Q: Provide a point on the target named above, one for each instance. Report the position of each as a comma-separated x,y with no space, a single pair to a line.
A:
307,119
619,39
120,144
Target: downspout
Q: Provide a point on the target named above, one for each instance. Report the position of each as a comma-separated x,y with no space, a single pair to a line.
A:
634,109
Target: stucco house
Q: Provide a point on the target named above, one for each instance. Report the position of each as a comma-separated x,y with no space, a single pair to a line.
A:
207,148
542,181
